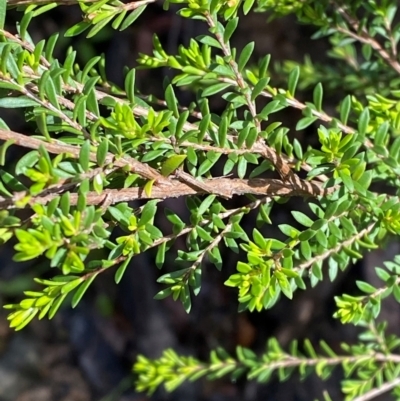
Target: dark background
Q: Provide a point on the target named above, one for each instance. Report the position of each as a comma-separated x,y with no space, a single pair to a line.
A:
87,353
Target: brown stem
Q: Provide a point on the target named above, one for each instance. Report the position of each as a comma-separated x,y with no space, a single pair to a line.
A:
57,147
173,188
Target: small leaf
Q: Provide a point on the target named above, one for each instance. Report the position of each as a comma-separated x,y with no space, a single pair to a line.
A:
230,28
247,6
148,212
205,205
121,270
163,294
365,287
17,102
170,98
84,156
260,86
317,96
130,85
305,122
101,153
81,291
132,17
3,9
148,187
293,79
160,257
3,150
171,164
302,218
245,56
203,234
347,181
213,89
77,29
345,109
363,121
26,161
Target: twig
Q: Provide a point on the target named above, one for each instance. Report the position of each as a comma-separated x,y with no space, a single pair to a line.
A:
268,153
57,147
235,68
364,37
336,249
378,391
197,184
172,188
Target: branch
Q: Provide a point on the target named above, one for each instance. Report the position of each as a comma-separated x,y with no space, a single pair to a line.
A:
173,188
58,147
378,391
281,162
363,36
235,68
348,242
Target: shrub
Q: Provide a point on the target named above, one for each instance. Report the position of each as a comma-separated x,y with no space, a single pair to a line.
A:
95,147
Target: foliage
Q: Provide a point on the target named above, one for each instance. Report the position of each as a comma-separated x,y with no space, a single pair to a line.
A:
96,147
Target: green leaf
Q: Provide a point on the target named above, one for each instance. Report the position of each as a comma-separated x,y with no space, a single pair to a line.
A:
345,108
245,56
347,181
101,153
170,98
17,102
121,270
79,293
160,257
77,29
11,182
305,122
132,17
205,205
251,139
365,287
293,80
230,28
260,86
213,89
305,250
26,161
203,234
3,9
248,4
99,26
242,167
363,121
51,92
171,164
163,294
79,112
148,187
317,96
208,40
148,212
84,156
271,107
130,85
56,305
302,218
3,150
